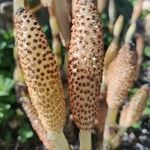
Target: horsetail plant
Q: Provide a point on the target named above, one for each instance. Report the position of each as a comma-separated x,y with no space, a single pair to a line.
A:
121,75
110,54
17,75
85,65
37,69
41,76
131,113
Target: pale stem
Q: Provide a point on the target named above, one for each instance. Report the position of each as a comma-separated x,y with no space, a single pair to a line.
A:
117,139
85,140
130,32
110,127
59,140
17,4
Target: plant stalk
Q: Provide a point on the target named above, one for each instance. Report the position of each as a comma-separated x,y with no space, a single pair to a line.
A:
85,140
56,43
110,127
117,139
130,32
59,140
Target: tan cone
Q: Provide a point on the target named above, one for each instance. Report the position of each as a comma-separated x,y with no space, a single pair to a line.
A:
121,75
85,64
133,111
40,71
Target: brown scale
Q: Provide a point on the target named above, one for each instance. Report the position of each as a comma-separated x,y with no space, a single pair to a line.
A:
40,71
85,64
121,75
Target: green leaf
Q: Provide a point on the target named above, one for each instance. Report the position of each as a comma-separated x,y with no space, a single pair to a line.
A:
4,107
25,133
133,91
5,85
137,125
146,64
2,45
147,111
9,98
147,51
6,112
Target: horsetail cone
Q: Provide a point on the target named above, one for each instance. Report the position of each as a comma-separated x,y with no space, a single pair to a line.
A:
85,64
121,75
40,71
133,111
35,122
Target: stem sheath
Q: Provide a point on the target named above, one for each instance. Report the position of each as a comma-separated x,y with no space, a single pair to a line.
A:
110,127
85,140
59,140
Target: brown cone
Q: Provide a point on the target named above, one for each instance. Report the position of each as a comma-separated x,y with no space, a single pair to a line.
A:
121,75
85,64
40,71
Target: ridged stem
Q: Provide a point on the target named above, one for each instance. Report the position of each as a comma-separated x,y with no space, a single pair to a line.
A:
110,127
117,138
101,4
104,85
36,8
20,85
139,49
17,4
59,140
130,32
137,10
56,43
85,140
63,21
112,14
